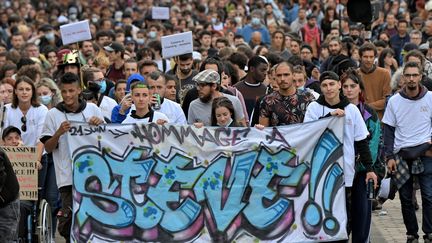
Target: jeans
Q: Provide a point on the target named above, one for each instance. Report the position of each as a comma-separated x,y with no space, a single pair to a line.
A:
405,194
47,183
359,210
9,217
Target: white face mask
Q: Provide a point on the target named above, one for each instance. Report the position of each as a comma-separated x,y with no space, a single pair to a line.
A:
227,124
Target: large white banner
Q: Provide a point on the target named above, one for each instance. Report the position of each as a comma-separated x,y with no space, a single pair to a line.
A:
145,182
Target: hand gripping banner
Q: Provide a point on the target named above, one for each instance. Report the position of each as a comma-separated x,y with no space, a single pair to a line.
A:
145,182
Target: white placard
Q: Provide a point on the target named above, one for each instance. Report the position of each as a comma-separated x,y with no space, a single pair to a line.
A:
160,13
177,44
75,32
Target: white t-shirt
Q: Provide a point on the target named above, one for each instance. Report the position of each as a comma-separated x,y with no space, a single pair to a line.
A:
411,119
160,65
201,112
35,120
173,111
61,155
355,130
107,105
156,116
170,109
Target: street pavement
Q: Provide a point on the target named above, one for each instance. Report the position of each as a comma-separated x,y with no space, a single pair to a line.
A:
387,224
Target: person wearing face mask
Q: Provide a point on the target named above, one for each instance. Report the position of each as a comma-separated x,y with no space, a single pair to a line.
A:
255,26
216,21
73,14
48,92
49,95
223,113
48,37
96,83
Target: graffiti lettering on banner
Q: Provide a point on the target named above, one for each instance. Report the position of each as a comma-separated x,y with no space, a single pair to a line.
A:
145,182
23,160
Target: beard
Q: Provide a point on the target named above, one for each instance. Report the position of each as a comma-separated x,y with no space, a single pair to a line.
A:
206,98
411,87
185,71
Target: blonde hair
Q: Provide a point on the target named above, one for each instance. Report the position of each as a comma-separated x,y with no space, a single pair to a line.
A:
47,82
101,61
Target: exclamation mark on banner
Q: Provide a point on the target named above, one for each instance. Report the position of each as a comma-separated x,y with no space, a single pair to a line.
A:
332,183
328,149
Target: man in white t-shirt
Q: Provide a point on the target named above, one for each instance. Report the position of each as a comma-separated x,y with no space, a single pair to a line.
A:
407,124
208,85
57,123
333,103
157,85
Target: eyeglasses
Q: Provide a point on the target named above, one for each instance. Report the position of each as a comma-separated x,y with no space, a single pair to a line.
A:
24,126
411,75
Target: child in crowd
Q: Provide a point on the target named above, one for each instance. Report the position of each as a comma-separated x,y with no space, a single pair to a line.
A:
9,189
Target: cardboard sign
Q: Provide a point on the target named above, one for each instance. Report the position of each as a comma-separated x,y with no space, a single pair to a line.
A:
23,160
177,44
160,13
75,32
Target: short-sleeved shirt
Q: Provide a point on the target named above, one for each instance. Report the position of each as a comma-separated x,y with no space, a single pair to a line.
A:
35,119
411,120
151,116
354,130
61,155
251,93
284,110
201,112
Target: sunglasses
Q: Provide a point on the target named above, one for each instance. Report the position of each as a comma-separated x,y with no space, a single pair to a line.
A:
24,126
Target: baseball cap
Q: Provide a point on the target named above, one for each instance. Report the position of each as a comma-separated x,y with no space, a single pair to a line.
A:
136,77
329,75
207,76
409,46
114,46
311,16
10,129
196,56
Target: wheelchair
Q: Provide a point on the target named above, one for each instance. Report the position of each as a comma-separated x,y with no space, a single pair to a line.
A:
39,223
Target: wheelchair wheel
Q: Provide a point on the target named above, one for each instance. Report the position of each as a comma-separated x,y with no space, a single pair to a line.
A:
45,222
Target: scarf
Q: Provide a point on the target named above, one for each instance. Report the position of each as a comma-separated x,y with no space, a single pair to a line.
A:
311,33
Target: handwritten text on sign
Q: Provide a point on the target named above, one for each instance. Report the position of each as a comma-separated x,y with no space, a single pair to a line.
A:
23,161
177,44
145,182
75,32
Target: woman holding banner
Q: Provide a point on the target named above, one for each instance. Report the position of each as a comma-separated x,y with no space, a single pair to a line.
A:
26,113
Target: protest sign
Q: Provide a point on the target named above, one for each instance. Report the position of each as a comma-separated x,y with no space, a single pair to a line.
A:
151,183
160,13
23,160
75,32
177,44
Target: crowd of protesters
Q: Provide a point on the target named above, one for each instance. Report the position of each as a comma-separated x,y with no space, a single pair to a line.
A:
254,63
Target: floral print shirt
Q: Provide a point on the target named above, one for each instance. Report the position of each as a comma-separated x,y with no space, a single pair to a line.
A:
285,110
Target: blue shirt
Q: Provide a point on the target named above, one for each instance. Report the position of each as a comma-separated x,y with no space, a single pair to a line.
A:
247,31
397,44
